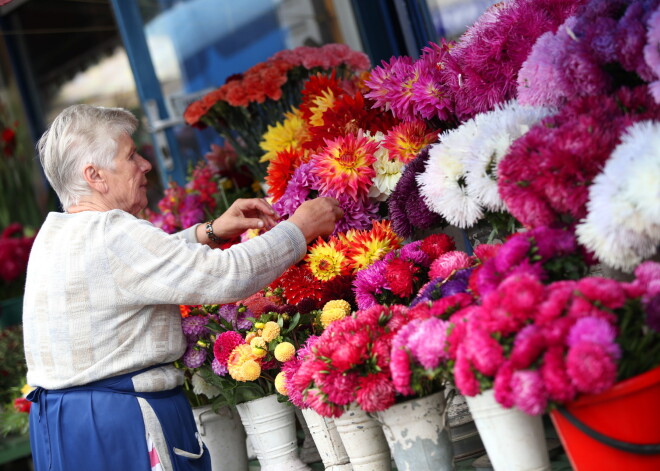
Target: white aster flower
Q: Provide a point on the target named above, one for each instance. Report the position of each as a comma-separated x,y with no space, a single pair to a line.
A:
200,386
496,131
442,184
622,226
388,173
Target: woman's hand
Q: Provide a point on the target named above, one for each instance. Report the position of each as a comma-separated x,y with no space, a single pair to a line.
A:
317,217
243,214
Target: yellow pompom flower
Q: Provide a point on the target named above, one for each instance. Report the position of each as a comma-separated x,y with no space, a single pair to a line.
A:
250,336
284,351
270,331
259,347
242,365
334,310
280,384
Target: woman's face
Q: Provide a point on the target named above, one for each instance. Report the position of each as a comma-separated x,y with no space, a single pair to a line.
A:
127,182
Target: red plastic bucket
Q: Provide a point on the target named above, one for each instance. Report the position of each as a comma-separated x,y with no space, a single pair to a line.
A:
629,413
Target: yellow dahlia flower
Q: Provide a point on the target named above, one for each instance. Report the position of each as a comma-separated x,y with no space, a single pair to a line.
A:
242,364
270,331
259,347
280,384
284,351
334,310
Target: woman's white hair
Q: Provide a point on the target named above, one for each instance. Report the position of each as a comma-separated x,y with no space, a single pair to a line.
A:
81,135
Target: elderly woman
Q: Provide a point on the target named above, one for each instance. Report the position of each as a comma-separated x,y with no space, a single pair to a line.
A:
101,318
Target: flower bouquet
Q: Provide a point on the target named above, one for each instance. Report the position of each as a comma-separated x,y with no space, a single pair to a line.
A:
242,109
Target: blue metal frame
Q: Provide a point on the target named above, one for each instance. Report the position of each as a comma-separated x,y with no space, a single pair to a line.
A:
393,27
131,29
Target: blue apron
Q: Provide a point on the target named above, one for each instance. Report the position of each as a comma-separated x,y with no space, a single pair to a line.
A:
99,426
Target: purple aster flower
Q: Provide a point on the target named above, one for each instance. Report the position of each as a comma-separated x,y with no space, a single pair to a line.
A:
218,368
298,190
595,330
414,253
194,327
238,320
369,282
652,310
512,253
429,292
193,357
406,206
457,284
553,242
358,214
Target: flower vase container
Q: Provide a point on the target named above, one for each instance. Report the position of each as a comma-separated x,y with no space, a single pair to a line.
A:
463,432
615,430
327,440
364,440
308,451
417,434
224,436
271,428
514,440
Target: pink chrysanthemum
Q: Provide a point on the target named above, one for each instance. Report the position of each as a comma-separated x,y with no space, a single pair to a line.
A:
527,346
316,401
590,368
428,343
375,393
528,392
553,370
339,387
448,263
400,370
466,381
502,385
346,166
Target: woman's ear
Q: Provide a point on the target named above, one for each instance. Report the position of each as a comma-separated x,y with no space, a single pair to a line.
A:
95,179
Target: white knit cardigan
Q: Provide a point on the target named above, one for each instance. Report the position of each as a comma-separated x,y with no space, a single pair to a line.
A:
103,290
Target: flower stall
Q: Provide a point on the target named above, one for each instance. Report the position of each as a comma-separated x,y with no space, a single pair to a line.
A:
534,137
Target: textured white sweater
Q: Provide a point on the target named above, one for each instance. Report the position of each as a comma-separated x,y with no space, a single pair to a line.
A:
103,290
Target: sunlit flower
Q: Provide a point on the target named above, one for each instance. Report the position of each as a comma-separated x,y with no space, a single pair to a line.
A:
369,246
289,134
405,140
345,165
327,259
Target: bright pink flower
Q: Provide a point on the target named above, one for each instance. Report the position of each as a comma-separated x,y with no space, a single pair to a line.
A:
448,263
376,392
339,387
485,252
224,345
347,355
484,352
400,370
528,392
464,376
605,291
528,345
595,330
590,368
317,402
558,385
502,385
401,276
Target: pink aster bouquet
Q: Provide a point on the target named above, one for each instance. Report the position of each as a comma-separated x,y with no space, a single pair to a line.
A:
538,344
242,109
15,246
347,363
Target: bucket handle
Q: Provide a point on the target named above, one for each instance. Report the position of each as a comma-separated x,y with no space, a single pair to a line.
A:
636,448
